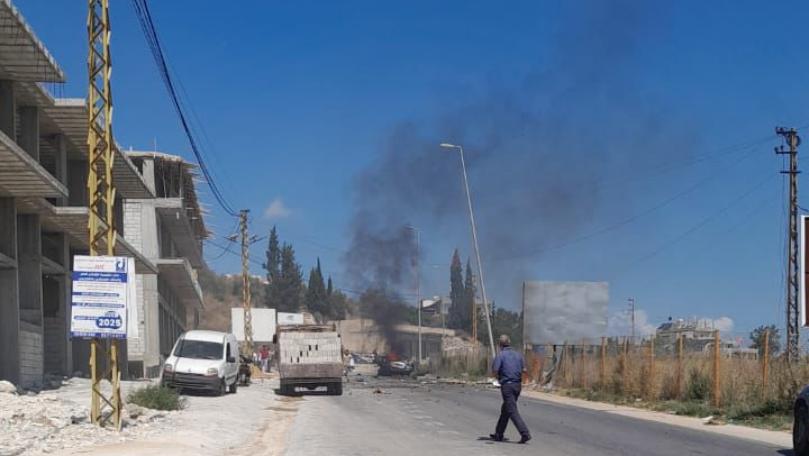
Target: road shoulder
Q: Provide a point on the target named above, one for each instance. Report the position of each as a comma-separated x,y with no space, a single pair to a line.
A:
776,438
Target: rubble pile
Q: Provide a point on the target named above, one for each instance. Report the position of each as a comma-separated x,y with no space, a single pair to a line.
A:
56,419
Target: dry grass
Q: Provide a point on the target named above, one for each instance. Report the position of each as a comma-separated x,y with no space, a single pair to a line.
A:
663,383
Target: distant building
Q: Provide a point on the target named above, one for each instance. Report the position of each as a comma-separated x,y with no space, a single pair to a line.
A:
698,336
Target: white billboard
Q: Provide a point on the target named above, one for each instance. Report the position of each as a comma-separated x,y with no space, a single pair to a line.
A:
288,318
103,293
564,312
263,324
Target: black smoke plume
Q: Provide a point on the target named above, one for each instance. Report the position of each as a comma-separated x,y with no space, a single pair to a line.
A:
539,153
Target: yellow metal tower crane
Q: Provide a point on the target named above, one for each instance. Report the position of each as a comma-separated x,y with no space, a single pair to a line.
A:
101,193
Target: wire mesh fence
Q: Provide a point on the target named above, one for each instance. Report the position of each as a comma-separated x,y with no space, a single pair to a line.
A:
723,379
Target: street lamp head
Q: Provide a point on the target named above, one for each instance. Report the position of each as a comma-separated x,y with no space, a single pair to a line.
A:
449,146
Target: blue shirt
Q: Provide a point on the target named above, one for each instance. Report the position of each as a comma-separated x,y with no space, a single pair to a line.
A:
508,365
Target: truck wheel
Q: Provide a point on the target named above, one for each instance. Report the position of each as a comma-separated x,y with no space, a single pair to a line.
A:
335,388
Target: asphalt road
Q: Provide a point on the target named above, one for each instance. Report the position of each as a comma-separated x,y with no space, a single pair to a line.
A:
420,420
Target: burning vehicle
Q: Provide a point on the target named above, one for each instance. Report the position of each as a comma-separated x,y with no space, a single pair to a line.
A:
390,365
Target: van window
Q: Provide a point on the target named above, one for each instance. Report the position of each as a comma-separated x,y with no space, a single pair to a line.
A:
227,352
198,349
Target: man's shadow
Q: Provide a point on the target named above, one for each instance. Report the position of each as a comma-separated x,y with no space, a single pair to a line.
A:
490,440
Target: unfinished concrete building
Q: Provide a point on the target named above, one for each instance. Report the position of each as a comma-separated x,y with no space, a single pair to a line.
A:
44,218
169,230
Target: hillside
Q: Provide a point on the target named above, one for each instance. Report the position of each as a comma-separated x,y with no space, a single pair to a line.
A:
221,292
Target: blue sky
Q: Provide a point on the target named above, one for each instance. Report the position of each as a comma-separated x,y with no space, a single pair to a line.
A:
297,99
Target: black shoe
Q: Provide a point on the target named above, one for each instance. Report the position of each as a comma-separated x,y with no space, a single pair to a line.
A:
496,438
525,439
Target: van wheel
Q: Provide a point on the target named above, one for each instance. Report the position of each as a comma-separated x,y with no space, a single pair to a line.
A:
234,386
223,388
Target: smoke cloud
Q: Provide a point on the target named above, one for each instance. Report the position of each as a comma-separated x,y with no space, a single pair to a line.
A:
539,153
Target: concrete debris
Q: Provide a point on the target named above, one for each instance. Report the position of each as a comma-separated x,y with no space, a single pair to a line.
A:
452,381
378,391
7,387
57,419
713,421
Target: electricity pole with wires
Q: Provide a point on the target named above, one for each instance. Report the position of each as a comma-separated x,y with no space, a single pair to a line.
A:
246,241
101,193
792,139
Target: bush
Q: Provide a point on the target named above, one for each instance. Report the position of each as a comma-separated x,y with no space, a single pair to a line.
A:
156,397
699,386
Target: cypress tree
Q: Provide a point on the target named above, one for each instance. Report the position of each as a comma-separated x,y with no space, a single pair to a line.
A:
469,295
291,282
457,316
273,268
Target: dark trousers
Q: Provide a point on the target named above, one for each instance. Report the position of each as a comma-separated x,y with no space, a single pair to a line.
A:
510,393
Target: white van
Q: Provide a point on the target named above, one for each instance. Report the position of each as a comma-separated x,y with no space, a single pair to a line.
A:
203,360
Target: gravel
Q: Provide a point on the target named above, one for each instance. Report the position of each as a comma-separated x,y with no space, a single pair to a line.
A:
52,420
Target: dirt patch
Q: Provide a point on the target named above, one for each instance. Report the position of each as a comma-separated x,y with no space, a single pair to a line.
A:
271,439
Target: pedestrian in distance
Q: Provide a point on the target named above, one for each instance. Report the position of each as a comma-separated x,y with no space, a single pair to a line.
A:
264,354
507,368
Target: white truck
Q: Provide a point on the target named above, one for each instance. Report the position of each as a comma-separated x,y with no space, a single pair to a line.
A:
309,356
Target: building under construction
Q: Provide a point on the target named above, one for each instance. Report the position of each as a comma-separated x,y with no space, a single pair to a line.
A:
44,218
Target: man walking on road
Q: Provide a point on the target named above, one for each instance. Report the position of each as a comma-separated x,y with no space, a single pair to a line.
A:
508,367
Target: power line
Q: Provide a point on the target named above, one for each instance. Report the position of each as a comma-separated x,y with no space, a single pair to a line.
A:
152,39
628,220
698,225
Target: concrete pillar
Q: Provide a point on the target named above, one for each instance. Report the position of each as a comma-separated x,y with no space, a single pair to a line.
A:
29,273
9,296
29,130
8,109
61,164
56,309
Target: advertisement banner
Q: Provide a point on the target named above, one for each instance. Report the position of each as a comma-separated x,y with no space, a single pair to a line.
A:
101,293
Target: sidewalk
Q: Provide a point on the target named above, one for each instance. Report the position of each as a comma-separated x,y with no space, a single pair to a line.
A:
776,438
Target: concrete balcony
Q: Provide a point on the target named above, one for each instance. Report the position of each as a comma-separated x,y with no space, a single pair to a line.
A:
22,175
24,57
73,221
174,216
70,116
178,273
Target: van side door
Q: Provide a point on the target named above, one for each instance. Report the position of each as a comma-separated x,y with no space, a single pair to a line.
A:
231,364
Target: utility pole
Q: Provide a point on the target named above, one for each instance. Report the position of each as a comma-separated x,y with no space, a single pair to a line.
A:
486,309
792,139
631,302
418,282
101,192
247,346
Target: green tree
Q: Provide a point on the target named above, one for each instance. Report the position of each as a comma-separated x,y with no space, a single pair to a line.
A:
458,317
290,284
339,305
504,321
470,292
316,294
757,339
329,288
273,268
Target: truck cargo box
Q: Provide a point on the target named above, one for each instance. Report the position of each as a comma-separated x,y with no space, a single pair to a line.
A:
310,356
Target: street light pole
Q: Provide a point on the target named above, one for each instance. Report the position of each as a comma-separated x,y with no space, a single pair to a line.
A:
418,281
475,243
